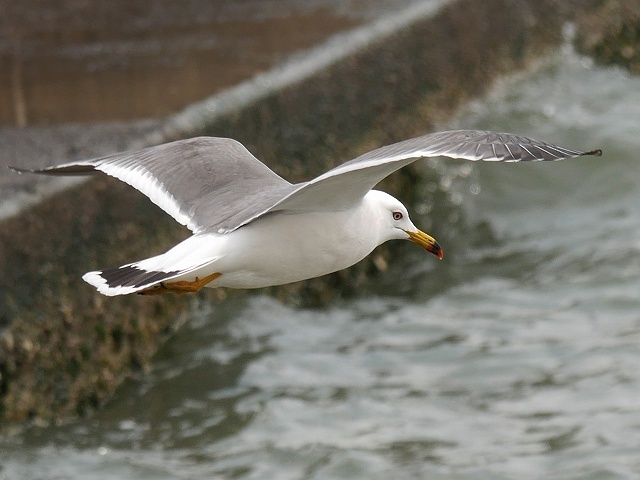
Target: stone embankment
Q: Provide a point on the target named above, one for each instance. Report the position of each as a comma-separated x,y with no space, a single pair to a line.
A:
64,348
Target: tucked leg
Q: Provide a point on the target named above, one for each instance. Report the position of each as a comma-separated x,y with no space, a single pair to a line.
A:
181,286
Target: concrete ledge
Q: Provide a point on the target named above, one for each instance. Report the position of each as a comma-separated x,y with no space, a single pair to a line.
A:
64,348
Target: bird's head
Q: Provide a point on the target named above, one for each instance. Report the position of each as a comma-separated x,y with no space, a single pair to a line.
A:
397,224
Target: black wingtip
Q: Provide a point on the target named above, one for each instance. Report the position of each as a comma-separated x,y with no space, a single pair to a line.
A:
18,170
594,153
68,169
24,170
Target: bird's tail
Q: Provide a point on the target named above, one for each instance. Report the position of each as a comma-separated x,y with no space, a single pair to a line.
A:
138,277
128,279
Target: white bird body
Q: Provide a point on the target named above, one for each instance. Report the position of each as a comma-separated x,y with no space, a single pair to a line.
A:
251,228
282,248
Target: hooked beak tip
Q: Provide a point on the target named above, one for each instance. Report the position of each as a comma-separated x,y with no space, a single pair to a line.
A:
427,242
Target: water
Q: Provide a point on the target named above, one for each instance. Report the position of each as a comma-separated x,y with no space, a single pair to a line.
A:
514,358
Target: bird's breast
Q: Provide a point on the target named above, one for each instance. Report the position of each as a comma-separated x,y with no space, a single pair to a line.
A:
285,248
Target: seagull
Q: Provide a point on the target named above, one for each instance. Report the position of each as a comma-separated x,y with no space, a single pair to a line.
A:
252,228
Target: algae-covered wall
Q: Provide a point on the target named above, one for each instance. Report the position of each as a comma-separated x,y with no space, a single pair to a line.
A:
611,34
64,348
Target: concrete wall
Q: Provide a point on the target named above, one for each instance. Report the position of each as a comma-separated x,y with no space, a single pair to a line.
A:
64,348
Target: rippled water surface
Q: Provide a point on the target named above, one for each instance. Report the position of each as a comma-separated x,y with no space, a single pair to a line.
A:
517,357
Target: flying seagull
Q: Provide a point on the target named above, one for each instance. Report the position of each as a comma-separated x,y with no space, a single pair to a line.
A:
251,228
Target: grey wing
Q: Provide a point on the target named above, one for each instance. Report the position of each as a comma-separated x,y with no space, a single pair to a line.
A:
350,181
204,183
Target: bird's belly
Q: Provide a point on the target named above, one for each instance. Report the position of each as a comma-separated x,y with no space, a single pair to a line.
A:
266,267
276,252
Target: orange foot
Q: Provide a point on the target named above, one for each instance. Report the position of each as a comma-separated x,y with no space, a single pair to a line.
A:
180,287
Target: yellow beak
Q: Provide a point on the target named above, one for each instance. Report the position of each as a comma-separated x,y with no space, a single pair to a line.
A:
427,242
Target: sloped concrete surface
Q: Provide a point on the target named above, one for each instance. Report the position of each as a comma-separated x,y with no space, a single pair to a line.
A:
64,348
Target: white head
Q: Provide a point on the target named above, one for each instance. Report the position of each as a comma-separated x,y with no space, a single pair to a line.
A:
395,223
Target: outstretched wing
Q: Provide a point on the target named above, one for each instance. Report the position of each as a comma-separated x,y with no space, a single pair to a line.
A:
203,183
349,182
216,184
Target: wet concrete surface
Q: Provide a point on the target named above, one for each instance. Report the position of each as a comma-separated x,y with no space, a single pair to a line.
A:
87,60
83,78
64,348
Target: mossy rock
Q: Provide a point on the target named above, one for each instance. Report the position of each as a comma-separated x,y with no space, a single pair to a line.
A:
611,34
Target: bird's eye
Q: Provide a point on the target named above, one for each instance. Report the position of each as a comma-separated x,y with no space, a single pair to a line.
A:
397,216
